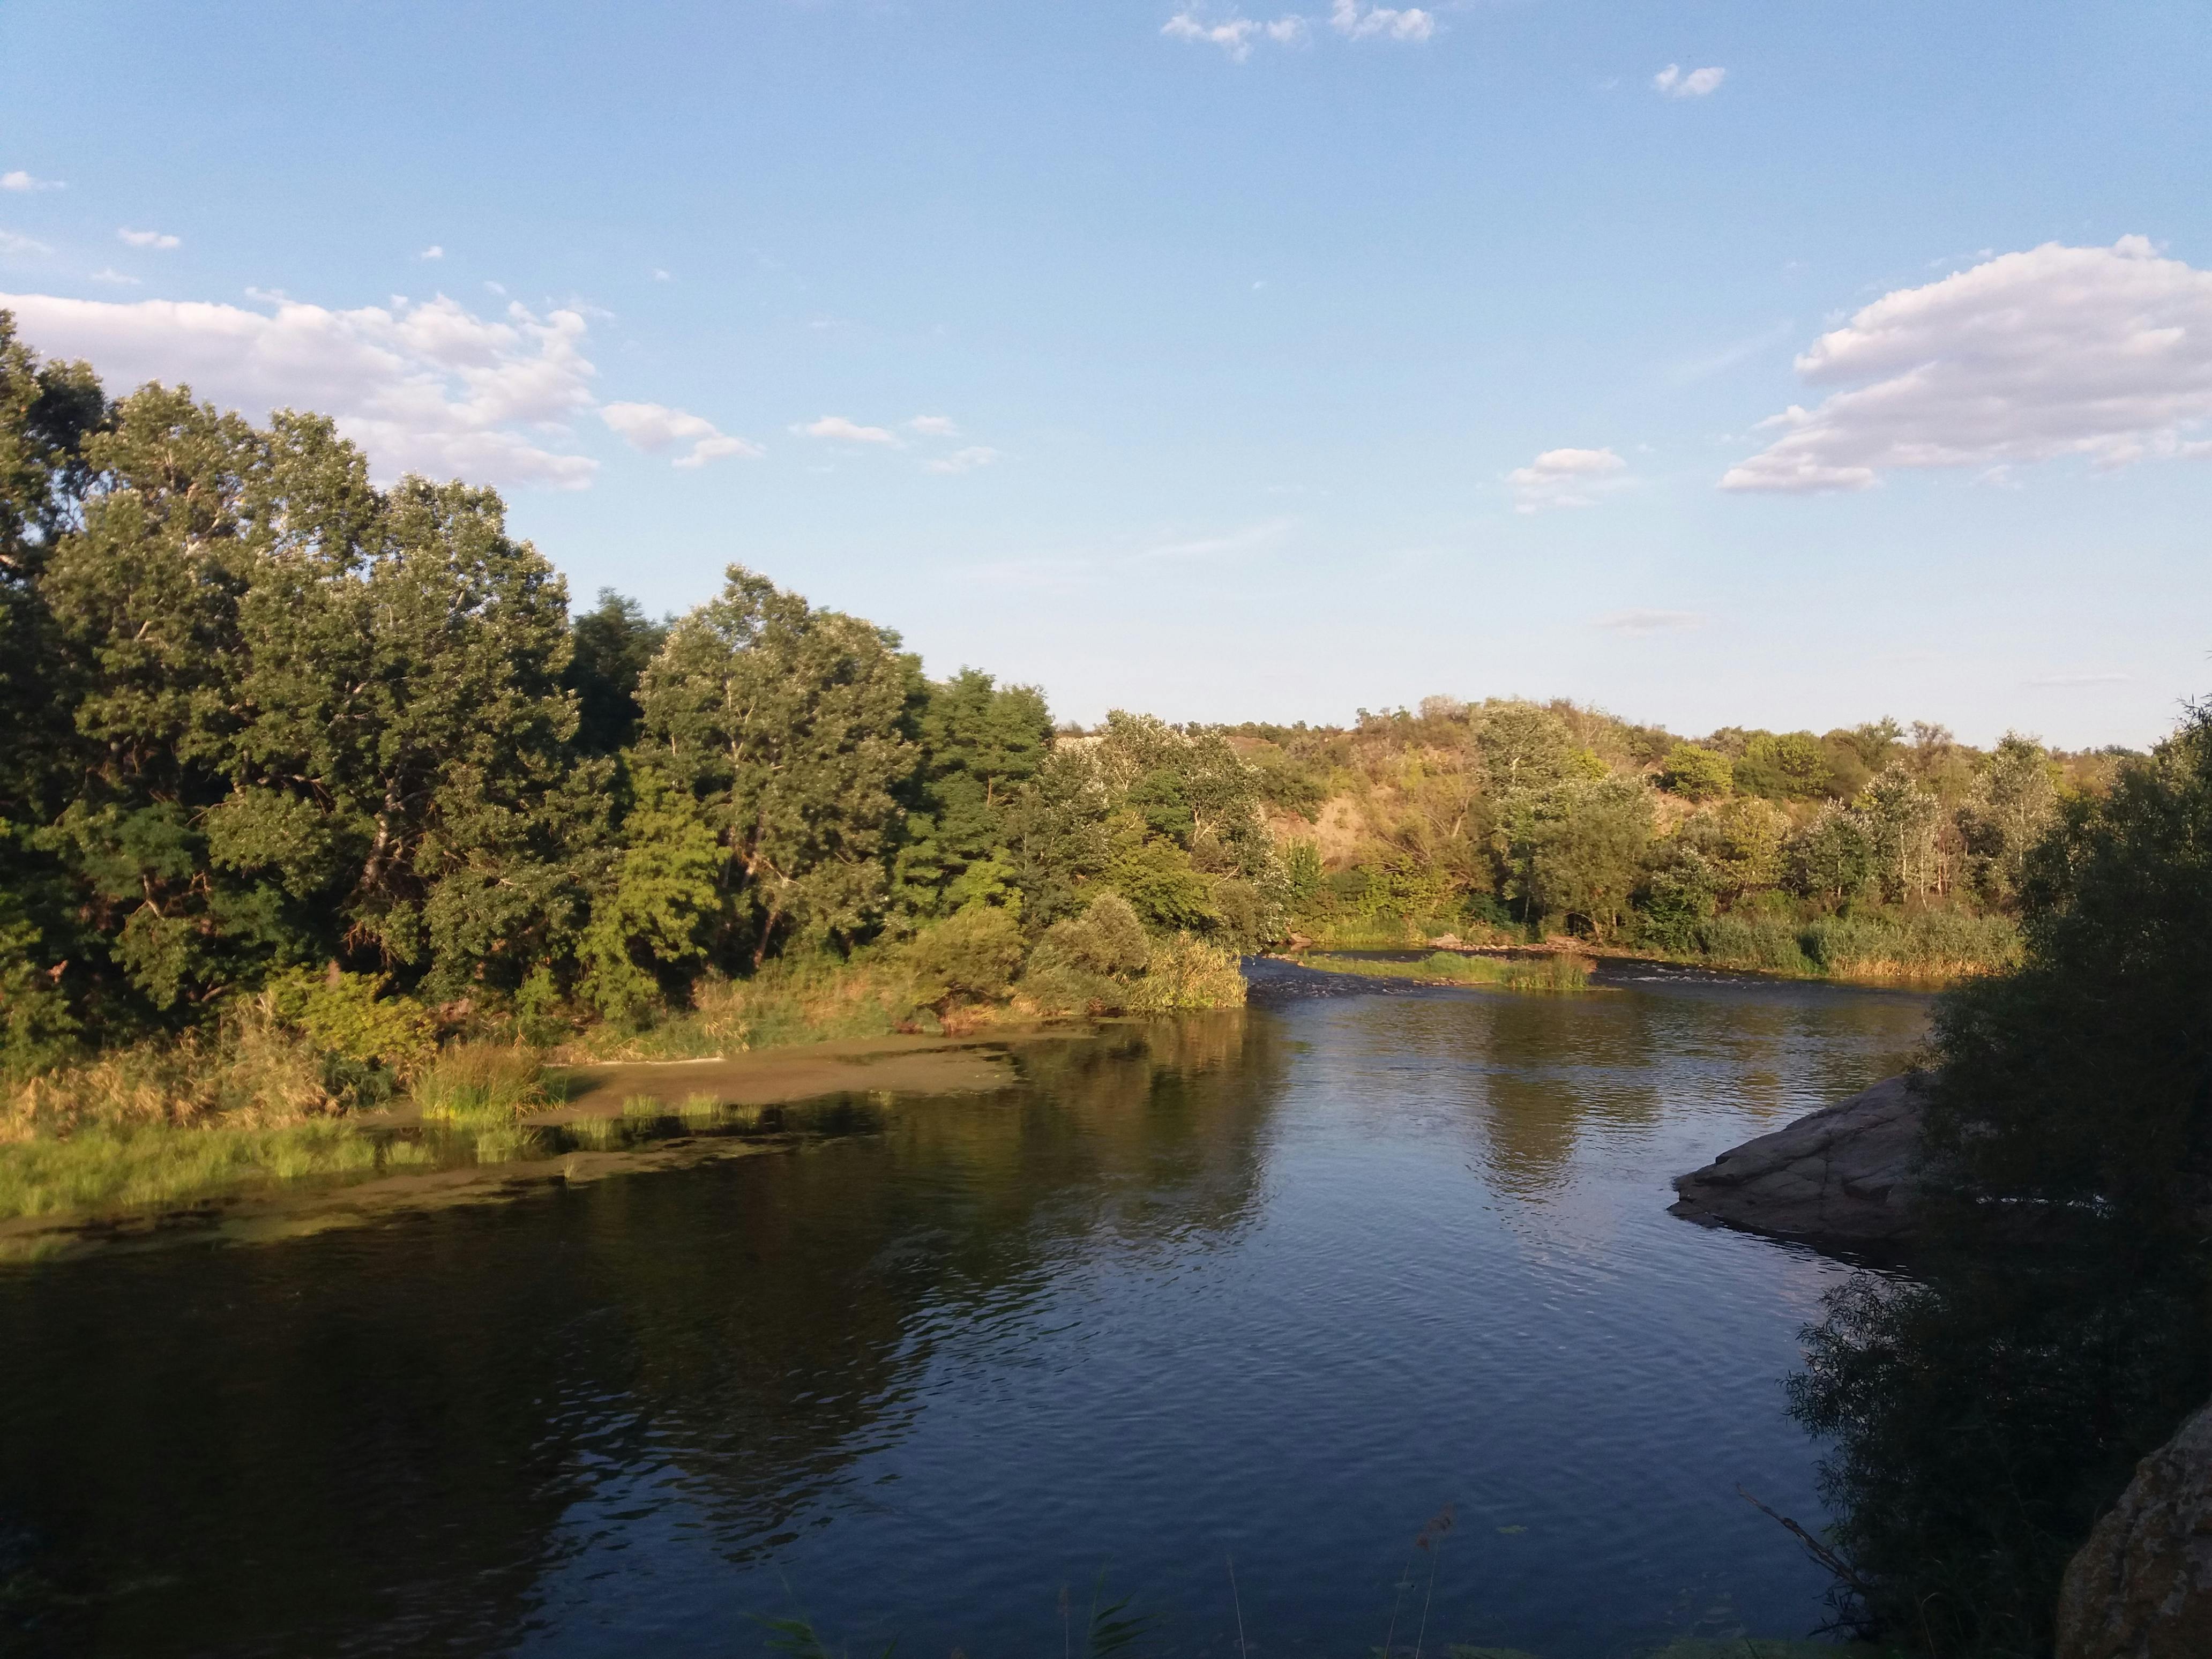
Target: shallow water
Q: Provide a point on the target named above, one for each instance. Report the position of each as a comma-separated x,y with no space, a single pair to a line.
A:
1279,1284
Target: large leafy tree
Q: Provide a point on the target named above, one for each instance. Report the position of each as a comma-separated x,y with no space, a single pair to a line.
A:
788,725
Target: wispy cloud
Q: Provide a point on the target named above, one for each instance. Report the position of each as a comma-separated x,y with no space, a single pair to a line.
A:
1675,82
1699,368
2100,352
1348,19
963,460
432,252
654,427
154,239
1640,624
11,242
20,181
1566,477
1234,35
933,426
837,428
1252,538
112,276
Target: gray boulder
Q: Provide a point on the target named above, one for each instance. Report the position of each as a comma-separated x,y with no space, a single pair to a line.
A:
2141,1587
1844,1174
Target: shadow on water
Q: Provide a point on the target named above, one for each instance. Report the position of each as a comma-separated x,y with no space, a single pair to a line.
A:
1279,1283
180,1428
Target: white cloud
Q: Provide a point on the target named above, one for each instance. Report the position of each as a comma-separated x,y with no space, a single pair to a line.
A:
1250,539
964,460
159,239
652,427
933,426
1384,22
432,252
12,243
1233,37
1674,82
423,387
21,180
838,427
2105,353
1640,624
658,275
109,274
1565,478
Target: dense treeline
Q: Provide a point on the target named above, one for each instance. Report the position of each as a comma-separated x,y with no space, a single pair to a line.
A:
1869,850
271,733
268,729
1985,1411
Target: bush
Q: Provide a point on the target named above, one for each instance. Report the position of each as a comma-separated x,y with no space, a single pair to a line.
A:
1186,973
1082,965
1696,774
970,956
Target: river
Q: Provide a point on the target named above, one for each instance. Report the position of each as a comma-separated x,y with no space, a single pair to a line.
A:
1275,1287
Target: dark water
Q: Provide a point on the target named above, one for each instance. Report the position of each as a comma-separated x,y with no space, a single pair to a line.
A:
1282,1283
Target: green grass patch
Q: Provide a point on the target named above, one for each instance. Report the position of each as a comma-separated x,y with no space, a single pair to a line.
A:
1558,972
108,1168
482,1083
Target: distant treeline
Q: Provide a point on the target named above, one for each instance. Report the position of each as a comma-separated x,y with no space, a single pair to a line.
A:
268,730
1873,850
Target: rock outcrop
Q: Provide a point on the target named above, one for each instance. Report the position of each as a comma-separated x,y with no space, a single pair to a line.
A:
2141,1587
1842,1176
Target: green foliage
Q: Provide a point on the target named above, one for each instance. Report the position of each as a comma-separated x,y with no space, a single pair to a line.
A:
653,917
970,956
107,1167
1086,964
2086,1075
1696,774
610,648
347,1015
1795,766
1586,855
481,1082
786,725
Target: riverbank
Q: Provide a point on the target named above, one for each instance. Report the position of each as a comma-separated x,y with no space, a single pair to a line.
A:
152,1184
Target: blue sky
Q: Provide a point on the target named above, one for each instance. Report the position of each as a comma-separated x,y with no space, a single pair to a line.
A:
1172,362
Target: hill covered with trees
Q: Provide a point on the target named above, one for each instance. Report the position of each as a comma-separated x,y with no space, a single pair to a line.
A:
1875,852
274,739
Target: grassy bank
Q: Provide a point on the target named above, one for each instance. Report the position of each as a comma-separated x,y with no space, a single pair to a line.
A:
326,1078
1554,971
1928,948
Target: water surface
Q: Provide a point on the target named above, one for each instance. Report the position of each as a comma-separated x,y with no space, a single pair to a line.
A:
1279,1284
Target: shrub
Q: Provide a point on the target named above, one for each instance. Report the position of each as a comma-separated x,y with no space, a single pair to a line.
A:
970,956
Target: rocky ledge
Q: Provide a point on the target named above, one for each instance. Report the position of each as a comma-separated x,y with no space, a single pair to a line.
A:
1842,1176
2142,1586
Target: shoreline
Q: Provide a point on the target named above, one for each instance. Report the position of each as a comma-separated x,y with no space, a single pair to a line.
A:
723,1107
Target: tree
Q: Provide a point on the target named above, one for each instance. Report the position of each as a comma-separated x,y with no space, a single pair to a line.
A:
786,725
1696,774
2084,1077
1832,857
1901,821
2014,801
1587,860
1796,766
611,646
979,744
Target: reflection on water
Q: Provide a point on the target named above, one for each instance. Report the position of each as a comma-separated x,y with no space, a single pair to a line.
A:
1279,1283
